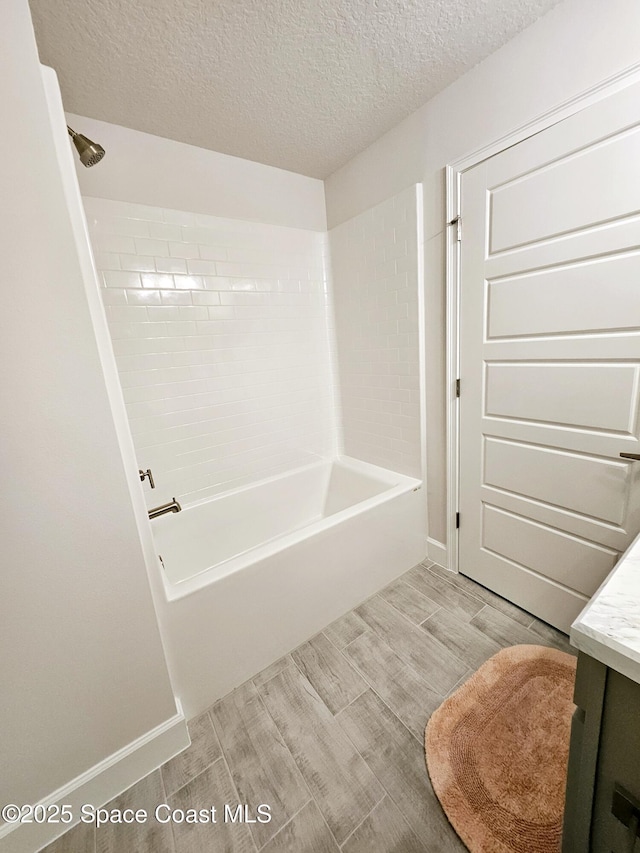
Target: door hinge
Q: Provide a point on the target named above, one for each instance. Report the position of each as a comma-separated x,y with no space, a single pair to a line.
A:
457,520
457,221
457,387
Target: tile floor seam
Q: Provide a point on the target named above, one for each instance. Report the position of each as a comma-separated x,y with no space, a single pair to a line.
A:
355,640
391,711
380,782
402,660
431,637
210,764
290,754
537,639
166,797
399,612
478,613
284,825
347,661
275,674
353,610
373,689
235,788
356,607
304,674
494,595
459,683
356,828
193,778
455,586
333,643
397,609
452,582
311,796
404,663
421,624
355,699
306,677
414,588
304,781
325,820
540,638
397,804
227,759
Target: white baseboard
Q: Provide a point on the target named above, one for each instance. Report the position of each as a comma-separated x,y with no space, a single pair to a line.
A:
101,783
437,552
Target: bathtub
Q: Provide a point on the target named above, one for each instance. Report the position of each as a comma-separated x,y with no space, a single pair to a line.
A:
250,575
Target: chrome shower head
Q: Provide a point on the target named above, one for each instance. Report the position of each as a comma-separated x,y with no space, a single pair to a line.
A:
90,152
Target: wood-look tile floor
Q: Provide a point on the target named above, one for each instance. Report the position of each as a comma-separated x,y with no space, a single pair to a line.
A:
331,735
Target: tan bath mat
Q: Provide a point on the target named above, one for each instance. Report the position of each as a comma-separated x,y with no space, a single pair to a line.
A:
497,751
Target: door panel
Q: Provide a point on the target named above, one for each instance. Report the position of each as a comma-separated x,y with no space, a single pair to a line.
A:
603,396
584,484
550,358
602,532
597,295
574,562
578,200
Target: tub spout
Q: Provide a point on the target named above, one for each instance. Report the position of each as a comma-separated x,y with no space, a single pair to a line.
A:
171,506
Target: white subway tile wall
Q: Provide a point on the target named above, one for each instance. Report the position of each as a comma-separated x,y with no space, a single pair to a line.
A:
220,334
374,259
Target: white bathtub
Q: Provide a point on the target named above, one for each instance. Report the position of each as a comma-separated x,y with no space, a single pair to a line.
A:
250,575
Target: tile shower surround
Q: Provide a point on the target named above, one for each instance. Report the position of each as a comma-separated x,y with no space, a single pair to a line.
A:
221,335
374,259
231,366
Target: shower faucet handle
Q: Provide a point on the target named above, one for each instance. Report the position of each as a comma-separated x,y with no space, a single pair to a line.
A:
147,475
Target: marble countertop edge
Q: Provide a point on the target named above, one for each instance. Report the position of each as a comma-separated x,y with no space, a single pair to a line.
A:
608,628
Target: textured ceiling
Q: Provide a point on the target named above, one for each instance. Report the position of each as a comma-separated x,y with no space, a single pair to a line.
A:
300,84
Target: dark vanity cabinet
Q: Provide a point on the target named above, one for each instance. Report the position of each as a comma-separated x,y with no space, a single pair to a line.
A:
603,778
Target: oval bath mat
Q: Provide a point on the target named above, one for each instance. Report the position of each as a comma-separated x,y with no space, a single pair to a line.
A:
497,751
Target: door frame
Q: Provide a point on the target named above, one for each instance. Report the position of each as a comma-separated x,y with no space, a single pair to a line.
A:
453,221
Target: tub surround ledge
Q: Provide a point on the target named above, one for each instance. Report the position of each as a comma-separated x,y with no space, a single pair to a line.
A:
608,629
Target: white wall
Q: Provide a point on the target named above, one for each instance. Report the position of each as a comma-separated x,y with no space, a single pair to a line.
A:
82,669
374,261
220,336
573,47
146,169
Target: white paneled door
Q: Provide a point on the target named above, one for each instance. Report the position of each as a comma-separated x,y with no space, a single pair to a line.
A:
550,360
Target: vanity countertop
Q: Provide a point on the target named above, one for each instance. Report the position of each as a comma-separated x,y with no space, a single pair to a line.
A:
608,629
